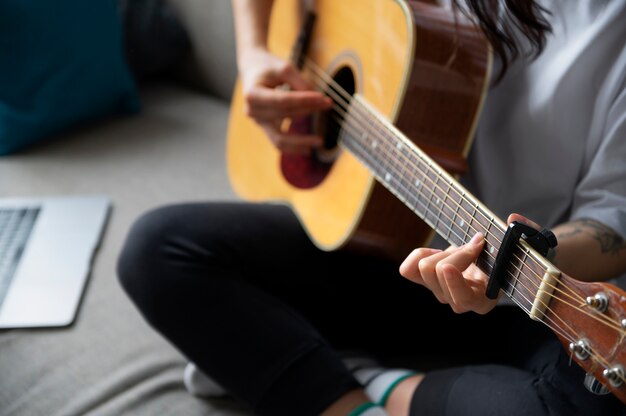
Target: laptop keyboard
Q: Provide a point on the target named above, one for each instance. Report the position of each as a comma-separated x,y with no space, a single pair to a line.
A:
15,227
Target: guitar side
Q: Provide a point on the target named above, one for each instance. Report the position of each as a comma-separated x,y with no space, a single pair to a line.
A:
408,63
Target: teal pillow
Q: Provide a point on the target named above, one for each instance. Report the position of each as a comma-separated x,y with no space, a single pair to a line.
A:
61,64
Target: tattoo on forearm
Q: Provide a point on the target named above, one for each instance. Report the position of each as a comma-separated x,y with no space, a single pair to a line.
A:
610,242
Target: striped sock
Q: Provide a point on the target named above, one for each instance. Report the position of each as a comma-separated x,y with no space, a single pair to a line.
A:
368,409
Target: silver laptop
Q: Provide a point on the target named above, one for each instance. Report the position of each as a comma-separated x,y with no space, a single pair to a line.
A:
46,250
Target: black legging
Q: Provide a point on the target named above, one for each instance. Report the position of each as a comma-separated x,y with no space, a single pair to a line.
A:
241,291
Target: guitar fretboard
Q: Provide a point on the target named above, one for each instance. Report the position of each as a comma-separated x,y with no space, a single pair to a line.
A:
437,198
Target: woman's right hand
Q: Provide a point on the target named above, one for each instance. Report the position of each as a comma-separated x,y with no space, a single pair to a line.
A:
274,91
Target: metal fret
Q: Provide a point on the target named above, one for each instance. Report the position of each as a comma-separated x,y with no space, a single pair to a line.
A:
454,218
437,203
516,277
469,225
451,220
402,176
488,226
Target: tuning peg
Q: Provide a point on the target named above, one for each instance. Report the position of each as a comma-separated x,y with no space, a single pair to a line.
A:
593,385
599,302
581,349
615,375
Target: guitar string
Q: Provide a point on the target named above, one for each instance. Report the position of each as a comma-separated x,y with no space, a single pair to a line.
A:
555,326
524,307
328,81
451,228
341,91
601,319
460,238
519,270
572,295
364,155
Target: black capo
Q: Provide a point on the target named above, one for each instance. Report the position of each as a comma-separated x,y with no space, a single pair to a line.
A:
542,241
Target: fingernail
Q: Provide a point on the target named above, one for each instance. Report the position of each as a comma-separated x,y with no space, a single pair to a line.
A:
477,239
519,218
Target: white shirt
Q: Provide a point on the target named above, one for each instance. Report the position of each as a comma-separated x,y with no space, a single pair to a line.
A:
551,142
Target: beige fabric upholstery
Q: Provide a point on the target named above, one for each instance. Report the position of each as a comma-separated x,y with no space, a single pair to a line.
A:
109,362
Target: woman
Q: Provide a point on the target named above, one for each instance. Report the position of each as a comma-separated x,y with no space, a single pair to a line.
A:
242,292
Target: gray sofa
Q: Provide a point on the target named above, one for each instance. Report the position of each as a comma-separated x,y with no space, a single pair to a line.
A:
109,362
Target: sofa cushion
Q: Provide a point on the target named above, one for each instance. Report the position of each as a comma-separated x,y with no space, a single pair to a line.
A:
63,64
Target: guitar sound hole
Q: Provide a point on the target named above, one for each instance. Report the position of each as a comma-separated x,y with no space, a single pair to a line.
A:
308,171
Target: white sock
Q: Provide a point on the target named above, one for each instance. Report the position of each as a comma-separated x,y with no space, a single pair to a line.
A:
379,382
368,409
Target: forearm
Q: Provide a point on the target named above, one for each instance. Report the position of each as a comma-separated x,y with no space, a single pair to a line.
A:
251,25
589,251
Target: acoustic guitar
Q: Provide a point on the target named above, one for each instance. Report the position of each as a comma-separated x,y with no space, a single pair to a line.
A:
408,79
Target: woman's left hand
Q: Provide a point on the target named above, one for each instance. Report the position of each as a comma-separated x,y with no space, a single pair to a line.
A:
452,275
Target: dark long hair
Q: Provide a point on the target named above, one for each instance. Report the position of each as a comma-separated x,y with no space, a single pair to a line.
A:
521,17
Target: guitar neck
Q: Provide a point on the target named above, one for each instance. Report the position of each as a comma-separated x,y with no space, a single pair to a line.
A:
436,197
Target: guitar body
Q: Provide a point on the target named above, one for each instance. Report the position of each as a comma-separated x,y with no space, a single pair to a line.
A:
411,62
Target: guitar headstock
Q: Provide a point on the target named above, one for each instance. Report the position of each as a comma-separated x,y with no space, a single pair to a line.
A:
590,320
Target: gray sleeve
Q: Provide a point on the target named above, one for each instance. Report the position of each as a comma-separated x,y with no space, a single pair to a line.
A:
601,192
